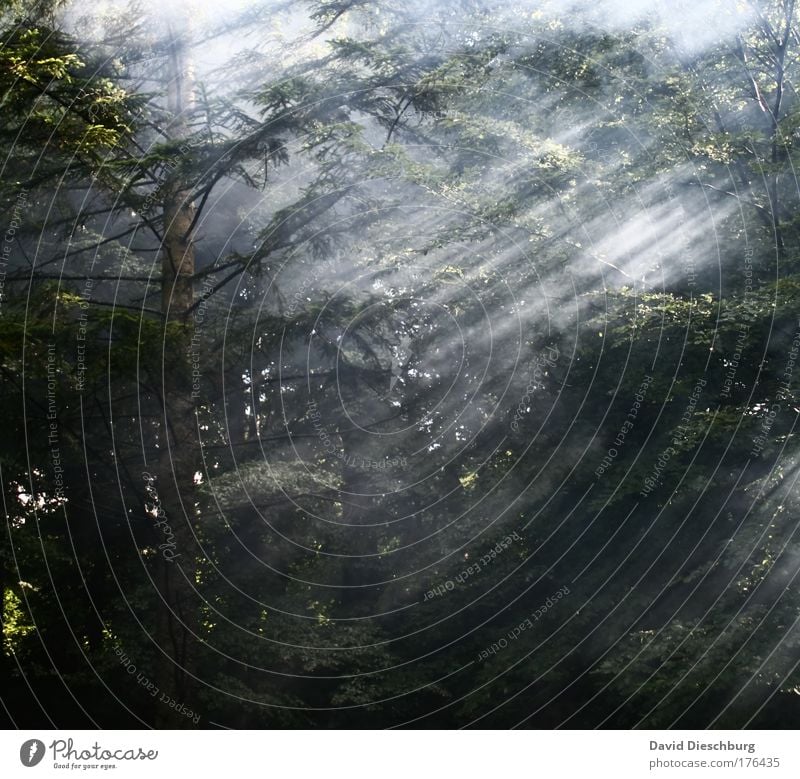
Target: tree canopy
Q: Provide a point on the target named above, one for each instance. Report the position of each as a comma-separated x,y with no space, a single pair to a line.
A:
399,364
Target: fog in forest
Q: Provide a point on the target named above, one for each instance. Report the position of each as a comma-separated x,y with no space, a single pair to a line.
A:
372,365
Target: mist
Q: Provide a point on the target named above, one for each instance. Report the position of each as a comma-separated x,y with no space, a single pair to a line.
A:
421,321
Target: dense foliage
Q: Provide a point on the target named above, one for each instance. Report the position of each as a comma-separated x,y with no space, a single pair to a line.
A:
481,408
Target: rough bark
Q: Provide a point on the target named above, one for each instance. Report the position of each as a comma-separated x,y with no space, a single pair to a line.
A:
178,553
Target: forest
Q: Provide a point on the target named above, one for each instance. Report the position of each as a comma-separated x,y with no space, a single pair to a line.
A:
425,364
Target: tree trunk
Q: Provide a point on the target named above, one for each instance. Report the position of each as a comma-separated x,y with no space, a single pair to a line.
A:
178,456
